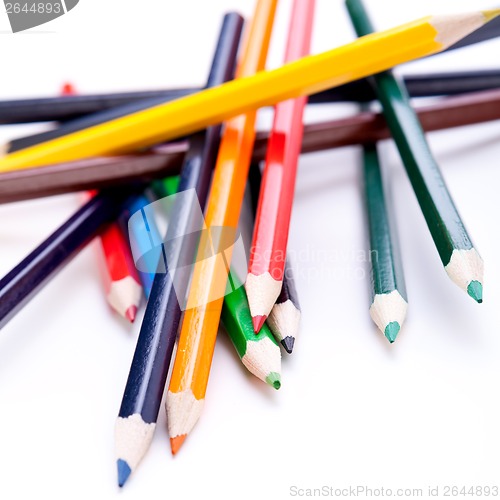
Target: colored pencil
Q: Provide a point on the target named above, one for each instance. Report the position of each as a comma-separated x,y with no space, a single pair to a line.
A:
388,290
92,173
260,352
369,127
71,110
121,281
310,74
148,373
145,240
284,318
21,284
48,109
270,235
422,85
461,260
196,343
366,127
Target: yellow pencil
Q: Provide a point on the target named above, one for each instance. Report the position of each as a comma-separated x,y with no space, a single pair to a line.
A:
367,55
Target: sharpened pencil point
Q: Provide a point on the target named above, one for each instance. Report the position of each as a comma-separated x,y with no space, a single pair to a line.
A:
123,472
287,343
274,379
490,14
475,290
391,331
131,313
176,443
258,322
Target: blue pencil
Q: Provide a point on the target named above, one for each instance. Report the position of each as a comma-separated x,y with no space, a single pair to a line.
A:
148,374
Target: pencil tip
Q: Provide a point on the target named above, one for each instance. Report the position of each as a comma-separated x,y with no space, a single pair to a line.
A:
131,313
274,379
475,290
287,343
176,443
123,472
258,322
391,331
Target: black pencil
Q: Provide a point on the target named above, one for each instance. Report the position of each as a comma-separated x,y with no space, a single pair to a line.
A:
42,264
81,111
284,318
146,382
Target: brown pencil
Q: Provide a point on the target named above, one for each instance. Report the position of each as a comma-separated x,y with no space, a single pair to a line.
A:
362,128
94,173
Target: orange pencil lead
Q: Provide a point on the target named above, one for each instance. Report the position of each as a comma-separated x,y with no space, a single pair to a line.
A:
176,443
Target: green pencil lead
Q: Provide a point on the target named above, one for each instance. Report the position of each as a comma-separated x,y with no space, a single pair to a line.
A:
391,331
475,290
274,379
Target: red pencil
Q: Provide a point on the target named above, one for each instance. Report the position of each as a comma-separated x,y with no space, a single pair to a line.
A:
268,251
121,281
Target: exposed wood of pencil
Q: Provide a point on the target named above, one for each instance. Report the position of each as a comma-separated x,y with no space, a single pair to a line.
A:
387,287
270,235
461,260
284,318
27,278
196,343
306,76
148,372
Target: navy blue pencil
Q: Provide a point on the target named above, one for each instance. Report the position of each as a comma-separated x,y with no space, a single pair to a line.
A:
43,263
148,374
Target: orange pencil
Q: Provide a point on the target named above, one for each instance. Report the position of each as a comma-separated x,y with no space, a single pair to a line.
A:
196,343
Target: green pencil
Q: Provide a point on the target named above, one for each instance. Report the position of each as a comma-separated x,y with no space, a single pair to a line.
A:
460,259
389,300
260,352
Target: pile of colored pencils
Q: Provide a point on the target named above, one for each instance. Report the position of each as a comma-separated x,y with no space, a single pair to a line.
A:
194,153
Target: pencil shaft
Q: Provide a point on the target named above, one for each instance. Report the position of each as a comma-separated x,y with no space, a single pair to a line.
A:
93,173
272,221
461,260
149,369
434,198
385,259
361,128
308,75
86,107
33,272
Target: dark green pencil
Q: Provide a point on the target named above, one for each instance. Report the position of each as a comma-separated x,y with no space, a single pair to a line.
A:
460,259
389,300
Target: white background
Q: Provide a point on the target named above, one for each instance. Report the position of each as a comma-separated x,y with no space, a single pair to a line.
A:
353,410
